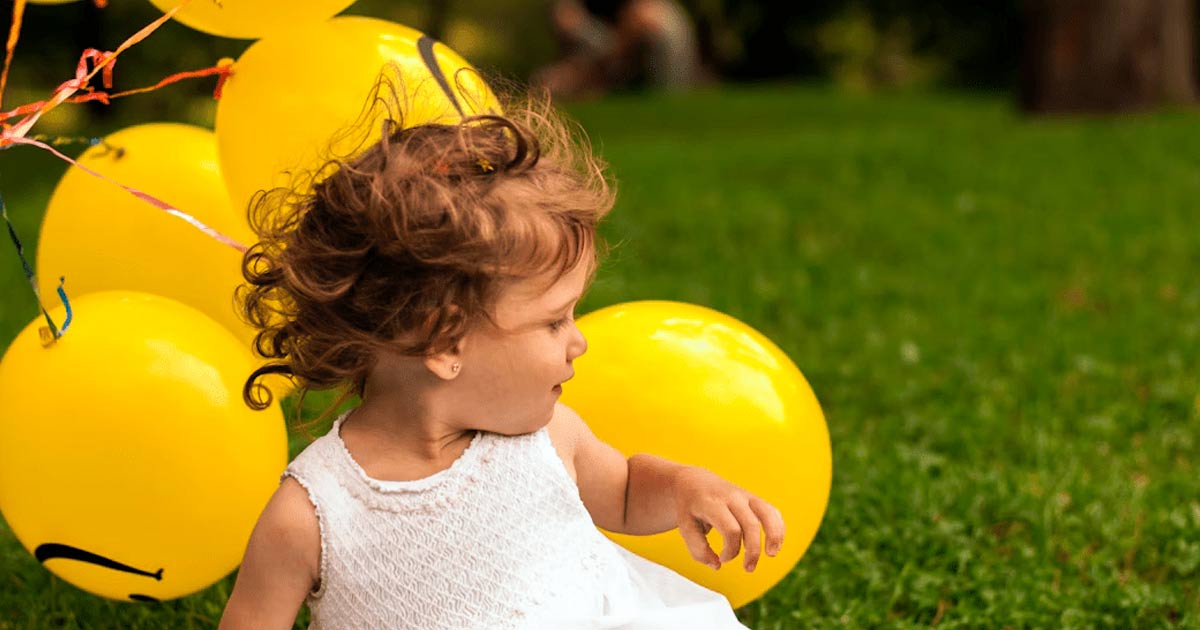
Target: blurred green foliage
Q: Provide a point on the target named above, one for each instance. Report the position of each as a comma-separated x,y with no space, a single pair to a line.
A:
862,44
506,38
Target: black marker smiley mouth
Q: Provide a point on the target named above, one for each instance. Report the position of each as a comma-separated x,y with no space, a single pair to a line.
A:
49,551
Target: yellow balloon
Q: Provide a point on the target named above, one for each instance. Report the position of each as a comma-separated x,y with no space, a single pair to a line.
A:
100,237
251,19
699,387
129,465
290,95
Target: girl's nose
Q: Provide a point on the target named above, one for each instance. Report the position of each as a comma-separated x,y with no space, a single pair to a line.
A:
578,344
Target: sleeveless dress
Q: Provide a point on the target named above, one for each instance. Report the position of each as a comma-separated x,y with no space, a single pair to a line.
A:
500,539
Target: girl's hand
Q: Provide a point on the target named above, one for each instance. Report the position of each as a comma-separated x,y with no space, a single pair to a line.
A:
704,500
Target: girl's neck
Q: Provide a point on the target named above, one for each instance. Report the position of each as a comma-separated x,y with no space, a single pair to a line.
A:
408,412
409,423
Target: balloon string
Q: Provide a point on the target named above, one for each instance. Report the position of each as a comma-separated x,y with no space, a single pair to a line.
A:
14,34
100,61
104,61
59,141
223,69
151,199
49,333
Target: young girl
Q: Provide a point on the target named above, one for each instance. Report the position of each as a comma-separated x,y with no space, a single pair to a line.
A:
437,273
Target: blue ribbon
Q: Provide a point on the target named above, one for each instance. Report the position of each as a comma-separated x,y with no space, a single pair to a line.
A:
29,275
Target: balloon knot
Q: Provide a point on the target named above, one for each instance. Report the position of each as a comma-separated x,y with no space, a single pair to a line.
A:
47,336
225,65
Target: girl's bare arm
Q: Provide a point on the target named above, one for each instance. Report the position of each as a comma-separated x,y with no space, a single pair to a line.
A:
281,564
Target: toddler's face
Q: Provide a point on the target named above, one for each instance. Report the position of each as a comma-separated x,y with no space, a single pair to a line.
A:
513,373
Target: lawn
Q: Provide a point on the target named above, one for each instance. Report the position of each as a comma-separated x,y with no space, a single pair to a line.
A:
1000,317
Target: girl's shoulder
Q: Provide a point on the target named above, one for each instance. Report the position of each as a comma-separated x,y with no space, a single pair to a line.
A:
292,511
564,430
280,567
287,537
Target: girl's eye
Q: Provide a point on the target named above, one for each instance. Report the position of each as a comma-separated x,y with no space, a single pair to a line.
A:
556,326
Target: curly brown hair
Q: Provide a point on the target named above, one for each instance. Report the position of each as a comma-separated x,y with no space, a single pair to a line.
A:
413,238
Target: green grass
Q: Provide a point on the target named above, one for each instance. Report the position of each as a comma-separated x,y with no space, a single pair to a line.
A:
1000,317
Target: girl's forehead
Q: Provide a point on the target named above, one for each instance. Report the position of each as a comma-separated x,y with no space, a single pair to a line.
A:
542,292
534,290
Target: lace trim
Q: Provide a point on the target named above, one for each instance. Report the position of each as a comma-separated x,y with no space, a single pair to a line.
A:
428,494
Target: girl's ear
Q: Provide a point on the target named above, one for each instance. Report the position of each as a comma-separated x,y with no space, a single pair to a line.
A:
447,364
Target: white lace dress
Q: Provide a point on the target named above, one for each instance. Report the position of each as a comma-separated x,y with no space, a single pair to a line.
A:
500,539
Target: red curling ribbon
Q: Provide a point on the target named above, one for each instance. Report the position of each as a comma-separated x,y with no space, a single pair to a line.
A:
14,34
91,62
223,69
103,61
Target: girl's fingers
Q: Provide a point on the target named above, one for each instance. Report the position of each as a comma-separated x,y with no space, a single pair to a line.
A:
693,531
731,531
751,533
772,522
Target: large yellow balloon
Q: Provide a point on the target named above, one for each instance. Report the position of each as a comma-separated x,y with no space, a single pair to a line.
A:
100,237
129,465
701,388
292,93
251,19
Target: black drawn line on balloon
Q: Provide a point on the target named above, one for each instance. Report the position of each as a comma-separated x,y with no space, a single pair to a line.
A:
425,47
48,551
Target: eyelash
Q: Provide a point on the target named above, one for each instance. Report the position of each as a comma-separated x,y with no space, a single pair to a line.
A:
556,326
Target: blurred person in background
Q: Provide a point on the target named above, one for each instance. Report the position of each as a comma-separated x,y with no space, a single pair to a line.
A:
607,44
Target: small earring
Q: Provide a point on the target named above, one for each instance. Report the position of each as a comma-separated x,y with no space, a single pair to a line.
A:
454,368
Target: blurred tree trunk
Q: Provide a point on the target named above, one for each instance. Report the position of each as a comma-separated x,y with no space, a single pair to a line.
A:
439,16
1107,55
